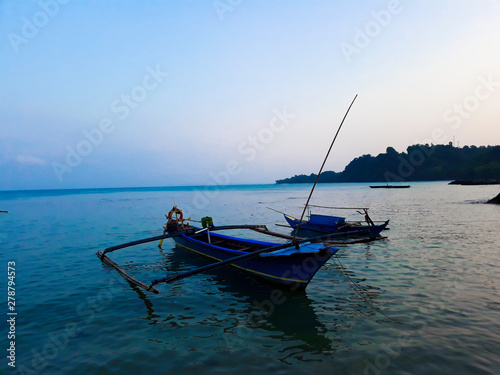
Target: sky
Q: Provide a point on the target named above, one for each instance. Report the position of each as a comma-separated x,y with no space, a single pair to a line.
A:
175,93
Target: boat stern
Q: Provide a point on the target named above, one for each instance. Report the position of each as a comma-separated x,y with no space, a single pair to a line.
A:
295,267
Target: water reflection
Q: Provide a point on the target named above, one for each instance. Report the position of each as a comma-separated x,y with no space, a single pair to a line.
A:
228,310
249,306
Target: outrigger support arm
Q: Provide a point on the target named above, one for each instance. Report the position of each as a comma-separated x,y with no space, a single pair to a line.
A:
104,258
164,236
126,275
138,242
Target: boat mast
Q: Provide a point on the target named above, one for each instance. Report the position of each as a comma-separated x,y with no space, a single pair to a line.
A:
320,170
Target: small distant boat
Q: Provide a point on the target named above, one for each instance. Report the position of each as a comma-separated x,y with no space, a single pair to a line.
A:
390,186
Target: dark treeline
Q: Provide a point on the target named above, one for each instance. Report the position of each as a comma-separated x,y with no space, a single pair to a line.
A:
418,163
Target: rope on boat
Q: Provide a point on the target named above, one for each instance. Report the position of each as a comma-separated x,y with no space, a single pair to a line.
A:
340,208
272,209
358,291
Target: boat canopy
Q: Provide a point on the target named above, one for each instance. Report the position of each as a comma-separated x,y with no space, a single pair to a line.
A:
326,220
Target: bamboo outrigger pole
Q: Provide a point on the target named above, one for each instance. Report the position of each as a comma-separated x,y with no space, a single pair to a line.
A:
321,169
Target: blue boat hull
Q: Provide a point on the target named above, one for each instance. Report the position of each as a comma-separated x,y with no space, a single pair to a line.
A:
291,267
331,224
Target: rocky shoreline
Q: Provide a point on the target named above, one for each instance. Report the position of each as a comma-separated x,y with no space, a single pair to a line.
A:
495,200
488,181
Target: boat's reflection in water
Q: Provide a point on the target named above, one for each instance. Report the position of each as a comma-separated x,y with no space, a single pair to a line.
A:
253,305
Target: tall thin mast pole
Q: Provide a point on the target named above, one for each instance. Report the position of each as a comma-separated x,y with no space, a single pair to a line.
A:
321,169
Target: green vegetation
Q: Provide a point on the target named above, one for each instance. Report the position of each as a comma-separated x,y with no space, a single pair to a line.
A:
418,163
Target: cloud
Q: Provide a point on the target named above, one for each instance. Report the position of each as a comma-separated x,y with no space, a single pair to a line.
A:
29,160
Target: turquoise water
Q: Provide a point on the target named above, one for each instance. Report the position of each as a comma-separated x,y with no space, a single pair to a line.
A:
424,301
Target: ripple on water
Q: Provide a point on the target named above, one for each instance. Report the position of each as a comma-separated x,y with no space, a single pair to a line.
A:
437,273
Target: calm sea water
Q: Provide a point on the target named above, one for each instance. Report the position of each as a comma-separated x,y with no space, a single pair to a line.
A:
424,301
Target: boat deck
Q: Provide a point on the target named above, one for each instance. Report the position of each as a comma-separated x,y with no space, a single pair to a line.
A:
230,243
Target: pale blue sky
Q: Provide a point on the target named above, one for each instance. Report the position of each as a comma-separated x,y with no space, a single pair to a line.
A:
203,92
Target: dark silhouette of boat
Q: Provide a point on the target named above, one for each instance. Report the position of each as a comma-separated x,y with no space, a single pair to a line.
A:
390,186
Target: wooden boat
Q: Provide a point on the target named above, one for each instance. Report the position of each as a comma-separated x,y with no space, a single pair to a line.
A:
292,265
329,224
334,224
390,186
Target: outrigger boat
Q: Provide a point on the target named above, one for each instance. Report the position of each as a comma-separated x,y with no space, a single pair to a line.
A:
292,264
336,224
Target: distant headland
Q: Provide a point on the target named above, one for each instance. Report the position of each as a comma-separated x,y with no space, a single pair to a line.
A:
418,163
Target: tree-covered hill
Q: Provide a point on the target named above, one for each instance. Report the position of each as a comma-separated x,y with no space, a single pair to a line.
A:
418,163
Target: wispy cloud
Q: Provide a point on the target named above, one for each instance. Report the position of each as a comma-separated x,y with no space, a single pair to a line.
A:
30,160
